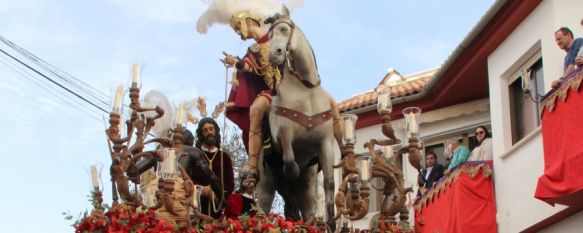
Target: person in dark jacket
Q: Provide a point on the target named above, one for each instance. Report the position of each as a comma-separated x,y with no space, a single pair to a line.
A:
431,173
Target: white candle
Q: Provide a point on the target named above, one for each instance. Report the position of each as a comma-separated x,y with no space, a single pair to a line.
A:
383,103
135,75
117,98
94,178
348,130
364,174
388,152
413,128
169,162
149,196
195,197
121,124
180,114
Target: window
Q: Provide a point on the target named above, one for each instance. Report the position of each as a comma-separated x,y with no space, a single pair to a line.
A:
524,112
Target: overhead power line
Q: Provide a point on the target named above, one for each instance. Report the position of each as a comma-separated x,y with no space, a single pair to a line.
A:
53,90
64,86
73,81
53,81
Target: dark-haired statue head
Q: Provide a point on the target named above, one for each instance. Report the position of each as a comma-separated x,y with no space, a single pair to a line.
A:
208,133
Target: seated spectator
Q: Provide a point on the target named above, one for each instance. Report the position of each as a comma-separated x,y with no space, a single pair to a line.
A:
432,172
460,155
484,149
241,202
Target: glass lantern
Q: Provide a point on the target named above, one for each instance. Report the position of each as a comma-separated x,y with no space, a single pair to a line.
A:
168,169
344,221
349,136
412,116
384,104
180,119
363,164
94,172
135,80
117,101
148,187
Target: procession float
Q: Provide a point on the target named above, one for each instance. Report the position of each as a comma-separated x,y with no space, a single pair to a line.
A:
156,179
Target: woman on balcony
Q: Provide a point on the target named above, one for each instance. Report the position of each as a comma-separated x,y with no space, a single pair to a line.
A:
484,149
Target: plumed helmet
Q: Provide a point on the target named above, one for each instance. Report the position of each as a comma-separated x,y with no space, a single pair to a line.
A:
234,12
239,19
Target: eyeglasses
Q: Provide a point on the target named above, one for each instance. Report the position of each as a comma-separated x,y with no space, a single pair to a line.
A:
480,132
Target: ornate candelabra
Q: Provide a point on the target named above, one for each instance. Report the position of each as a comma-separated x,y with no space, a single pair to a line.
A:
363,168
125,153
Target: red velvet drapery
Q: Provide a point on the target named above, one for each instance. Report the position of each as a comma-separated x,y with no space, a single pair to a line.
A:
562,181
462,202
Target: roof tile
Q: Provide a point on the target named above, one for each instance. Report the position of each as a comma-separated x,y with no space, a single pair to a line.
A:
414,84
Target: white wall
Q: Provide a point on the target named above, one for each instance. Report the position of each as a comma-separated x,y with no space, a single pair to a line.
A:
517,173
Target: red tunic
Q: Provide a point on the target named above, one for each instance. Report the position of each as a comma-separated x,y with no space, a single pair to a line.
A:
250,86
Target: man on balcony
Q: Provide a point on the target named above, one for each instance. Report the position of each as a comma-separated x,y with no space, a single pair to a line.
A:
565,41
430,174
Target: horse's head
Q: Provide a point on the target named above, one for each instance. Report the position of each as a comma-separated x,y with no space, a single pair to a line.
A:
280,36
289,45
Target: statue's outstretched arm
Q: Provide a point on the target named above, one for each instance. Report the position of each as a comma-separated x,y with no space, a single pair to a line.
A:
145,164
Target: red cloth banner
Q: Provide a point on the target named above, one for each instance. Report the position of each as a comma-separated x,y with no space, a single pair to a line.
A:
562,182
464,204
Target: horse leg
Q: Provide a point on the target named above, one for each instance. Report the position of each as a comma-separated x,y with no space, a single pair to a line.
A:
266,189
291,206
305,187
290,168
326,161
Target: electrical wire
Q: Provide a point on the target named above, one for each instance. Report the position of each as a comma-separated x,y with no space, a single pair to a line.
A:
54,91
74,82
53,81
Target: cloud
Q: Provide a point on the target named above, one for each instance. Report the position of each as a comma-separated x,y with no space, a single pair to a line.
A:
182,11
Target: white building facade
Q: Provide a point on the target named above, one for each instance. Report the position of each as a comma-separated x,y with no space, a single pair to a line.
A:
512,36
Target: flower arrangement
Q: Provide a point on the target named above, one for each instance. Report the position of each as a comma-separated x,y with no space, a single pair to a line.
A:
125,217
122,218
260,223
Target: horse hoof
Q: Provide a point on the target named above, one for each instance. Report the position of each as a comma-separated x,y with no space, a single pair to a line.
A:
291,170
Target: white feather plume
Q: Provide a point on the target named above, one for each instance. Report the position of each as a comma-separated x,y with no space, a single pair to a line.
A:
156,98
220,11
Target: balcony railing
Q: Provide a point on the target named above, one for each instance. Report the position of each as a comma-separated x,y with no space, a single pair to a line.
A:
463,201
562,130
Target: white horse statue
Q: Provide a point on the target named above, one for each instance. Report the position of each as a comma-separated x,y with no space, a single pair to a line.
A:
301,125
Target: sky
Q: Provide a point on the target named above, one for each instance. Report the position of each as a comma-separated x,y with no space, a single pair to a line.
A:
48,142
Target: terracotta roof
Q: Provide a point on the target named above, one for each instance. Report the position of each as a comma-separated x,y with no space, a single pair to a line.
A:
411,84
